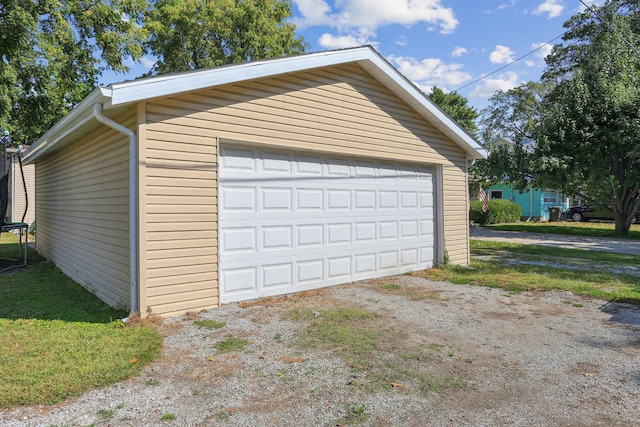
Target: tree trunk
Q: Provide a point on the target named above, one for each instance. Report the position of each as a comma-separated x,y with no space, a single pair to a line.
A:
622,223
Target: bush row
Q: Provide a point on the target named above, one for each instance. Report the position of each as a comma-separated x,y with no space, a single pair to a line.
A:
500,211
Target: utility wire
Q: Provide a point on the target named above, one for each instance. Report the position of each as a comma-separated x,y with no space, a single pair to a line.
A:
509,64
611,27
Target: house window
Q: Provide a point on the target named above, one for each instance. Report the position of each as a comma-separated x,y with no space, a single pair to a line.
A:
549,199
496,194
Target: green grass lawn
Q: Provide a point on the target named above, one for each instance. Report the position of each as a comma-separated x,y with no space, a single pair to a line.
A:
590,273
58,340
591,229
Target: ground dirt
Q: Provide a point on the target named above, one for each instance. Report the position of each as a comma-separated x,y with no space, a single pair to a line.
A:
443,355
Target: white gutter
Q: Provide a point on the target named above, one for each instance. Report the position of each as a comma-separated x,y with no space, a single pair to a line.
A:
133,201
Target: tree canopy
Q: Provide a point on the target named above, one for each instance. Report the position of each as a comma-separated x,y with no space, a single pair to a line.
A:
512,115
584,118
53,52
457,107
589,133
191,34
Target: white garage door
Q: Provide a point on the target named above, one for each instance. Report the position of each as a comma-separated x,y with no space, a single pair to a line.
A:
296,221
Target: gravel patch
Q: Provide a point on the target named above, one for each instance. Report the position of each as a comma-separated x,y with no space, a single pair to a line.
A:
528,359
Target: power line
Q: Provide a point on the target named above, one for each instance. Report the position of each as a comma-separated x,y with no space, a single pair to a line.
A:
509,64
611,27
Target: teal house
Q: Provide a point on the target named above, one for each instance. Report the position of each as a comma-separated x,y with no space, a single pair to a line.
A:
535,203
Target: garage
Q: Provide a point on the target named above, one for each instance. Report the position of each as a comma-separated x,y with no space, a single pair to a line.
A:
178,193
299,221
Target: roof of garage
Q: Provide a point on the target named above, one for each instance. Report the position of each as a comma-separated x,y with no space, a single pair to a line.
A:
113,97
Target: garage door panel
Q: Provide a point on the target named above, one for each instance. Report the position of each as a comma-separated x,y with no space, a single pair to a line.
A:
242,239
310,199
291,221
239,199
277,275
239,280
277,238
279,199
310,271
274,162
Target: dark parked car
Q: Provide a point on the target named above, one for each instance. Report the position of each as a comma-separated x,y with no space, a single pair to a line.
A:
585,213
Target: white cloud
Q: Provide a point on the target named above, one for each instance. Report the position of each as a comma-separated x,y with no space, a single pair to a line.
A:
360,19
507,5
330,41
502,6
145,62
544,51
488,87
552,8
314,12
402,41
430,72
501,55
458,52
530,63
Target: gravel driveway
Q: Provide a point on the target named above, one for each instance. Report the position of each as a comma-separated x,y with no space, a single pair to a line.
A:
451,355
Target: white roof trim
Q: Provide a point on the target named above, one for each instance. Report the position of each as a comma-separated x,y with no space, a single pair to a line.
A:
76,118
172,84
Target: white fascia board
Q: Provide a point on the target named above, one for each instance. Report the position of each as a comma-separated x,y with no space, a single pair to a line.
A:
154,87
79,116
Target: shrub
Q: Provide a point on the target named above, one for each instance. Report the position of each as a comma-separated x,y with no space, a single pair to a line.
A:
500,211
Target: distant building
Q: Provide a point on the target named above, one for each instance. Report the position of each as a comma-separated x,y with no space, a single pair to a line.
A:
535,203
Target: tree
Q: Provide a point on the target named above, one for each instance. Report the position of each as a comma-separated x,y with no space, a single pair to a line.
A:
588,138
193,34
456,106
52,53
512,115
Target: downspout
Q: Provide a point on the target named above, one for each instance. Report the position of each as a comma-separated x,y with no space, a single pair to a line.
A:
133,201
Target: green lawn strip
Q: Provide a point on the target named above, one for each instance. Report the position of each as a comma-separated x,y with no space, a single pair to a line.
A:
498,273
505,249
589,229
59,340
46,361
42,291
9,248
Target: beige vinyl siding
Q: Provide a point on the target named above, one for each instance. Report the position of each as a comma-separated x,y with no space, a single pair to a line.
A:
179,226
19,199
339,110
456,208
83,211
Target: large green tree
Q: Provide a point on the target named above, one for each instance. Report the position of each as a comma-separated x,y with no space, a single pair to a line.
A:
512,115
589,136
458,108
52,53
192,34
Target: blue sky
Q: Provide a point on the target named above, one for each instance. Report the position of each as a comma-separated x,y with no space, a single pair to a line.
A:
446,43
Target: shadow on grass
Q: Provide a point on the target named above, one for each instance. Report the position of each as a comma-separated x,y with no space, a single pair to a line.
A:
41,291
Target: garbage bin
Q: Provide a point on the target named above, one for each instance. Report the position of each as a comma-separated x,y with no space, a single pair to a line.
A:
554,213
